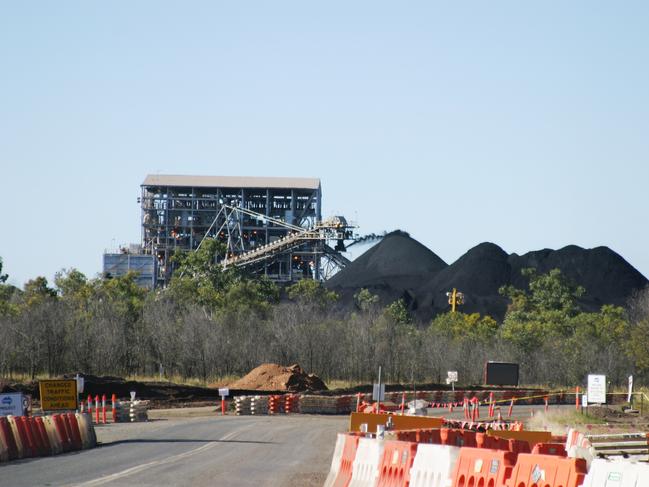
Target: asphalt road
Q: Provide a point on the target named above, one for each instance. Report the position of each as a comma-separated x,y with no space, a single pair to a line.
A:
292,450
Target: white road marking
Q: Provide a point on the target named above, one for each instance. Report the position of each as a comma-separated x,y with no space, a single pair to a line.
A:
144,466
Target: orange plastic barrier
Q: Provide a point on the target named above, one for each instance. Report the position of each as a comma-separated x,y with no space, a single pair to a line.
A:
557,449
480,466
398,422
347,461
428,436
7,434
547,471
455,437
532,437
394,470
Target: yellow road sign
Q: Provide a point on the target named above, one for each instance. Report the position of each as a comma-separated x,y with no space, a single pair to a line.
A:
58,395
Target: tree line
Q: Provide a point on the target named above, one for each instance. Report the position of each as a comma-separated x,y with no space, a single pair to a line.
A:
210,323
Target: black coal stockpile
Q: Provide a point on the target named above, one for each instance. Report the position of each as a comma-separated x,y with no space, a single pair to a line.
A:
392,269
400,267
478,274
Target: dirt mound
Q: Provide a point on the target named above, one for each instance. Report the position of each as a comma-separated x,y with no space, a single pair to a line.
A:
273,377
392,269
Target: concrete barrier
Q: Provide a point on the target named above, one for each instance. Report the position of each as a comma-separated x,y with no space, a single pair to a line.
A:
53,435
87,430
4,449
20,451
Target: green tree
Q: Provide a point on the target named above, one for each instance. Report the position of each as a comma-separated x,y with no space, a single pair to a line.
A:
311,292
460,325
3,277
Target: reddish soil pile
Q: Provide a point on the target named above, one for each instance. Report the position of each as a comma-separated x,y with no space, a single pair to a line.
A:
273,377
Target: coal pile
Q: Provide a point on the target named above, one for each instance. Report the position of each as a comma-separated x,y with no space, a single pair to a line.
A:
478,274
606,276
399,267
392,269
273,377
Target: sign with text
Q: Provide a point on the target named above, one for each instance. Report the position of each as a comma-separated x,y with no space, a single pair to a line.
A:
596,389
224,391
13,403
452,375
57,395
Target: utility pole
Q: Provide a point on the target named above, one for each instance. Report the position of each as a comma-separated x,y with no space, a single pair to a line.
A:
455,298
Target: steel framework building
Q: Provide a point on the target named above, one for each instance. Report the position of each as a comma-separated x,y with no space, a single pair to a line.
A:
178,212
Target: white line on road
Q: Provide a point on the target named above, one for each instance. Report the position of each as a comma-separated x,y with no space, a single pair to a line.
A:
139,468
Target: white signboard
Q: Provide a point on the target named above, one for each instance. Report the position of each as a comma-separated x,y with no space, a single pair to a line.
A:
13,404
596,389
452,375
224,391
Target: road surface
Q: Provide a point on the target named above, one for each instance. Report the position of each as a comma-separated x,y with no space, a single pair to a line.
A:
292,450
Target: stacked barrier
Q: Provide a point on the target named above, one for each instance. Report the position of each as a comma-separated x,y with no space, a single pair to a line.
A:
446,457
38,436
345,404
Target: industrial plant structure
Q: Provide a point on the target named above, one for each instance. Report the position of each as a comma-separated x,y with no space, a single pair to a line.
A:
270,225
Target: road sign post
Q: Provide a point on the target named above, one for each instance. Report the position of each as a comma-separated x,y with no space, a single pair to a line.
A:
596,389
451,378
223,392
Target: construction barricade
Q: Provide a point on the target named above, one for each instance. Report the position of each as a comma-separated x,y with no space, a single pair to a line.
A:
55,440
365,469
20,438
344,473
481,466
396,462
8,438
433,466
547,471
616,473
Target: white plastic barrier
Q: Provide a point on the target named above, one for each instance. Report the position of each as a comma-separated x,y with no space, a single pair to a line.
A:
335,461
617,473
434,465
365,469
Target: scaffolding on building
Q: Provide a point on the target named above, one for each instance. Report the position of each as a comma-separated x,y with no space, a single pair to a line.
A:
271,226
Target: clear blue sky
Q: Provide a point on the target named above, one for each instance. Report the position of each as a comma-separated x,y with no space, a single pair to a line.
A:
521,123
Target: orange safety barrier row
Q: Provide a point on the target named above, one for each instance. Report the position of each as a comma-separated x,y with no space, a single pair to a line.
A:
38,436
489,461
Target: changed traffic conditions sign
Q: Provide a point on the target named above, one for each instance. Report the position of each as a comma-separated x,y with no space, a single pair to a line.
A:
58,395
